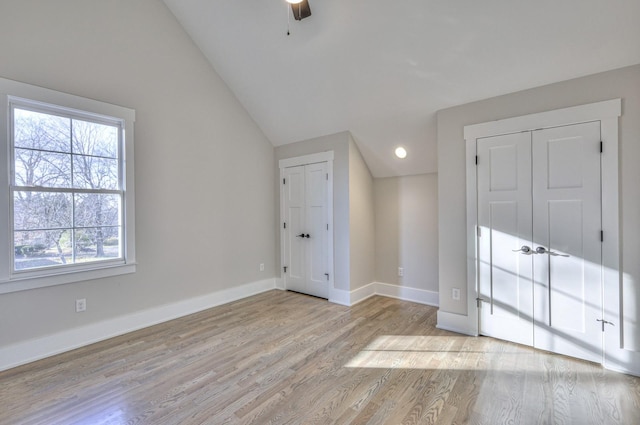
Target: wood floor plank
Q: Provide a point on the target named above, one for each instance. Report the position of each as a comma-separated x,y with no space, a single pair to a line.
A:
285,358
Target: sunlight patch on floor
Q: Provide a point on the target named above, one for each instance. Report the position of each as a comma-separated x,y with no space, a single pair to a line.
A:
428,352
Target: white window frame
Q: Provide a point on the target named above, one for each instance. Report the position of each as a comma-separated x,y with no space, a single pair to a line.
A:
24,94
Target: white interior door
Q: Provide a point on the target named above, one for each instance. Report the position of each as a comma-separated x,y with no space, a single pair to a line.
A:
566,227
540,191
306,233
504,218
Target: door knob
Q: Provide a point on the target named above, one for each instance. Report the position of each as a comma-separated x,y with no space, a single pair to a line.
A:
307,236
541,250
524,249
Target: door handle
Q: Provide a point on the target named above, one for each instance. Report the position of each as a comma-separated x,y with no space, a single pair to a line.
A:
301,235
524,249
307,236
543,250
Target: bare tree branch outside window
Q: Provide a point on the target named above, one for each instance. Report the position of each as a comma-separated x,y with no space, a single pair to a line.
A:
67,197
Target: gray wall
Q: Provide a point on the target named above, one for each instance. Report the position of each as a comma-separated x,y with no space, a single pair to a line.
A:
362,227
407,230
204,170
622,83
339,144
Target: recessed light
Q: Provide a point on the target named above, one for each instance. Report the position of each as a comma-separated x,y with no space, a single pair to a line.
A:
401,152
294,1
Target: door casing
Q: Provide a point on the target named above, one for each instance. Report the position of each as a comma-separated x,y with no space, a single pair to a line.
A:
607,112
327,157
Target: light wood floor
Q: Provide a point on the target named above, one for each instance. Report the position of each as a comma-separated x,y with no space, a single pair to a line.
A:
285,358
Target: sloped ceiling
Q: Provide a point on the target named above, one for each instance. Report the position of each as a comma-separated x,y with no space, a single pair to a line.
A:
382,68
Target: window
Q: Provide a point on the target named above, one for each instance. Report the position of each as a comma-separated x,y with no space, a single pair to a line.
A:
69,193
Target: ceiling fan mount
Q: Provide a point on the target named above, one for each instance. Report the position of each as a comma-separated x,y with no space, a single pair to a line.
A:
300,9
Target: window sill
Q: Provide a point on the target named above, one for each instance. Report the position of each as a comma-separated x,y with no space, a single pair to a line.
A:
23,283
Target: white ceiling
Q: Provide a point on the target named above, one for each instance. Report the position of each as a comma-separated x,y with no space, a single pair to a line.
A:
382,68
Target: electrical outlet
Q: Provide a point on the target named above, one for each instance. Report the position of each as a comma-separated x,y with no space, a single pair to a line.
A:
400,271
261,267
455,294
81,305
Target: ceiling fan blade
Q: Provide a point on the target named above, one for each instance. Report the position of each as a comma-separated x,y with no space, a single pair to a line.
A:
301,10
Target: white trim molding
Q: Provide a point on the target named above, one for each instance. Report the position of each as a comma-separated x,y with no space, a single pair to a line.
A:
455,323
362,293
405,293
306,159
349,298
60,342
22,95
340,296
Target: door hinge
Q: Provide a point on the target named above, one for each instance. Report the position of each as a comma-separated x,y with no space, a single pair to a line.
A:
285,268
479,302
327,226
327,176
603,322
327,275
601,146
285,225
476,159
479,231
284,181
601,235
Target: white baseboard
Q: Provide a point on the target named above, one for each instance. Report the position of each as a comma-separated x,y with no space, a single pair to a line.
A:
621,368
339,296
362,293
39,348
454,322
280,283
415,295
349,298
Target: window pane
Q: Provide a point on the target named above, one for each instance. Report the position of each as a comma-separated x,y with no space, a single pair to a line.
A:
33,249
41,210
36,130
93,210
90,172
97,243
39,168
61,163
94,139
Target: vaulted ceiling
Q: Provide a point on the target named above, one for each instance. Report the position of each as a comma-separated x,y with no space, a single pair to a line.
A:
382,68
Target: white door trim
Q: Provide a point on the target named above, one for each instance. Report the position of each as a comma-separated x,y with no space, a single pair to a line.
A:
607,112
304,160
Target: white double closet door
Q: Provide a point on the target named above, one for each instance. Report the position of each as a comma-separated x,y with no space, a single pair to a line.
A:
539,245
306,232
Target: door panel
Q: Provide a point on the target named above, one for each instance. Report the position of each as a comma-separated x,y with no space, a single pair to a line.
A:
565,233
567,222
316,244
504,217
295,218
